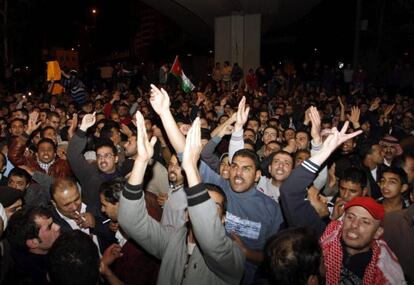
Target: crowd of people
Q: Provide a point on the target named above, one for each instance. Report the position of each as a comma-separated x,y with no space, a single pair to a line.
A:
294,175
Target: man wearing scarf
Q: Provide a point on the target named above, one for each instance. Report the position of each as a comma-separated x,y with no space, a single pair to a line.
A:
353,250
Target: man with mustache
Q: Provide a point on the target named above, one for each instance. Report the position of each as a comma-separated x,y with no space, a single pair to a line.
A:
91,176
251,217
353,250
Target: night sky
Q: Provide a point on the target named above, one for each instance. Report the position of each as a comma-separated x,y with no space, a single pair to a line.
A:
329,27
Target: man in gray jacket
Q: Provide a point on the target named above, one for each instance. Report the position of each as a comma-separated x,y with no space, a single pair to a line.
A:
199,253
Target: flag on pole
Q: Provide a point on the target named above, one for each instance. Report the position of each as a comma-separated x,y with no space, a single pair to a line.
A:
176,69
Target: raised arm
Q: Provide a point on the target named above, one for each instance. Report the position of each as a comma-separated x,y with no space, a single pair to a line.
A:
80,167
133,215
207,154
18,145
221,254
236,141
160,102
298,211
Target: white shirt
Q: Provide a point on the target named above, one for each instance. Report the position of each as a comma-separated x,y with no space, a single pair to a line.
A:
72,223
265,186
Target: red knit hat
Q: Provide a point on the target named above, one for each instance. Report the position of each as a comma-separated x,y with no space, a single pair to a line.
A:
375,209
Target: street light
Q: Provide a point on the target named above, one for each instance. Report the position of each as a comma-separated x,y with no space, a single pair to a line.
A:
94,11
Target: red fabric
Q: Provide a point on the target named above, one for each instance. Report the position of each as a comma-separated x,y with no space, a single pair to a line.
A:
375,209
176,67
107,110
136,266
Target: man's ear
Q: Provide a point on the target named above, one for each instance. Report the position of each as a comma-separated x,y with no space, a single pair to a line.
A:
116,159
258,175
53,203
404,188
32,243
312,280
364,191
379,232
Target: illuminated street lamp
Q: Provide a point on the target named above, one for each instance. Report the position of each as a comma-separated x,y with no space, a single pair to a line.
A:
94,11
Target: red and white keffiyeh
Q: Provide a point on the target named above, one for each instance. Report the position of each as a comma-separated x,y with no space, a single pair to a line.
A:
383,269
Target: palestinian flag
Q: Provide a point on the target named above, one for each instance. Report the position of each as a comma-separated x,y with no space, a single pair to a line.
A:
176,69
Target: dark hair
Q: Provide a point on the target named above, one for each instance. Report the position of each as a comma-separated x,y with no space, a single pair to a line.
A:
273,154
19,172
365,148
112,189
106,131
293,255
17,119
51,114
397,171
22,225
401,160
3,158
302,151
355,175
217,189
250,154
304,132
42,131
106,143
74,260
47,140
250,142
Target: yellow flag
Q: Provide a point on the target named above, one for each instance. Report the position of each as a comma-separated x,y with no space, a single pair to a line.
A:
53,71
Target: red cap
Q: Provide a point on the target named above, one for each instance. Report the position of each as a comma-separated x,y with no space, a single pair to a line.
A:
375,209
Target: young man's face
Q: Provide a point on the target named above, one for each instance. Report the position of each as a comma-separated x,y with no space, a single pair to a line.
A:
46,152
106,159
174,171
349,190
111,210
17,182
391,185
281,167
48,232
225,168
243,174
376,154
302,140
131,146
248,134
269,134
54,122
17,128
359,230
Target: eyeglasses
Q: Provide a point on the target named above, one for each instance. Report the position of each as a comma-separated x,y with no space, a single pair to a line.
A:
104,155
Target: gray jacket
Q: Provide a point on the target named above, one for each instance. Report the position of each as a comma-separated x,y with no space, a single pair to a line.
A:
215,260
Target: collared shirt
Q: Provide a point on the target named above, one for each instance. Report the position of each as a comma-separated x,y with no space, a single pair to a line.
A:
72,223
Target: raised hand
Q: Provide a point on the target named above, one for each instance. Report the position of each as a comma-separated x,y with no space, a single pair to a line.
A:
375,104
125,130
334,140
88,121
73,126
388,110
144,146
160,101
316,125
33,124
193,146
112,253
242,114
354,118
